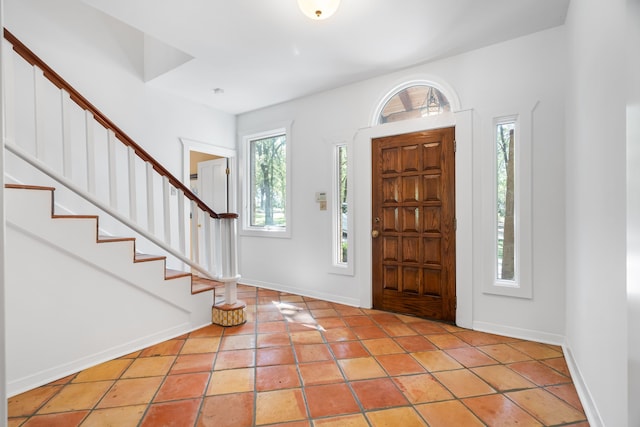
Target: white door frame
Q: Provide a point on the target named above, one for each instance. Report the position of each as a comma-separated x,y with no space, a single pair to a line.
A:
463,122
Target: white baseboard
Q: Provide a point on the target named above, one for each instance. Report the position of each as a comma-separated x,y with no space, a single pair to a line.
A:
55,373
354,302
590,409
586,399
525,334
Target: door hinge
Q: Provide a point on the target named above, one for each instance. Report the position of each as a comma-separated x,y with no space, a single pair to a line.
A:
227,171
455,224
455,146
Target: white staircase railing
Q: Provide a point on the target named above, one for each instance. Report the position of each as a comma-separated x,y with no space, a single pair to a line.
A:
53,128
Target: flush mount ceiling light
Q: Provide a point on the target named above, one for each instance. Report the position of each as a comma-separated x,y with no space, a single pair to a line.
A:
318,9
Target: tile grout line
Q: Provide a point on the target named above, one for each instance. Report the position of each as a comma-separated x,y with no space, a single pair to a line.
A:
296,361
344,375
536,380
206,387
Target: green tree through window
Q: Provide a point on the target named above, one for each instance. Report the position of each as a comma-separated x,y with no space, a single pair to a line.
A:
342,200
505,200
268,183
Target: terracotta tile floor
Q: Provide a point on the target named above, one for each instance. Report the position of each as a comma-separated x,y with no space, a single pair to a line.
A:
304,362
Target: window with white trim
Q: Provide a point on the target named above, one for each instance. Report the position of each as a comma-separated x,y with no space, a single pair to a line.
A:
342,211
506,244
342,231
266,190
508,219
414,101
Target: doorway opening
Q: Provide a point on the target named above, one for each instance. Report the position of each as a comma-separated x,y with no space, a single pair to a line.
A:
208,179
208,171
413,224
453,116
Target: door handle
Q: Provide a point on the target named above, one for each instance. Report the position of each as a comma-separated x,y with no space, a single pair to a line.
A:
375,233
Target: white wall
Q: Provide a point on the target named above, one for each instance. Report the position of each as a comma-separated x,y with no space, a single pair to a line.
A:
86,302
3,378
103,60
596,209
633,205
508,78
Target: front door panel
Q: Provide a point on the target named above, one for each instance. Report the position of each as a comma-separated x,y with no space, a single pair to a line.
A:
413,224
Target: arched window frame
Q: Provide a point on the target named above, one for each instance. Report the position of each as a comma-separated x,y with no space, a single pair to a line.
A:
448,92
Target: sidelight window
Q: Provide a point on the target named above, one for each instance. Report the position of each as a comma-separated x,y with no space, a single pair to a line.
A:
508,218
342,231
505,201
342,211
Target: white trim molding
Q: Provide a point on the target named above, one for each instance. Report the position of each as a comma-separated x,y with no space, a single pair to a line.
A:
336,212
245,228
353,302
586,399
522,285
520,333
442,86
463,122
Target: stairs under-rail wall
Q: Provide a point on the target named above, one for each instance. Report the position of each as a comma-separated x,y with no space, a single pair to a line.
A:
76,298
77,293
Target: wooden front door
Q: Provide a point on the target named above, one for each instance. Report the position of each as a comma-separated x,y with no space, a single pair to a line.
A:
413,235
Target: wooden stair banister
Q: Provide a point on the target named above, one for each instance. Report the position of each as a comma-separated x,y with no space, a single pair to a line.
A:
198,284
212,252
33,59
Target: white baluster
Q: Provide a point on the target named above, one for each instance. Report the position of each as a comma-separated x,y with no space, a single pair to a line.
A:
217,248
181,223
229,259
133,201
215,251
228,245
166,205
113,178
9,94
38,80
65,107
91,152
151,225
195,247
219,242
207,242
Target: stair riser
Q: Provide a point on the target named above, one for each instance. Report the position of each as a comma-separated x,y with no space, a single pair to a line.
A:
80,302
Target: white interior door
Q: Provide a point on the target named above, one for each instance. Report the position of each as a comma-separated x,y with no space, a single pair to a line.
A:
212,184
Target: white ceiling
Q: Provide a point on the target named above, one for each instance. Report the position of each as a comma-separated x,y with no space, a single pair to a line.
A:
263,52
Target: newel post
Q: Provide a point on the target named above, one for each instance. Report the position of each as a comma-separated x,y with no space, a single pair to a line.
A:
231,311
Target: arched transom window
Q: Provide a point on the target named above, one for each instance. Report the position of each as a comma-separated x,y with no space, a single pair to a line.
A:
414,102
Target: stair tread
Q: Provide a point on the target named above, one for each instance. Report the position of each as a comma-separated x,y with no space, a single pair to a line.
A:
140,257
174,274
200,284
28,187
74,216
103,238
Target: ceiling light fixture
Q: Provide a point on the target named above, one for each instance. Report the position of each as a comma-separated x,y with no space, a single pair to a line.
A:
318,9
